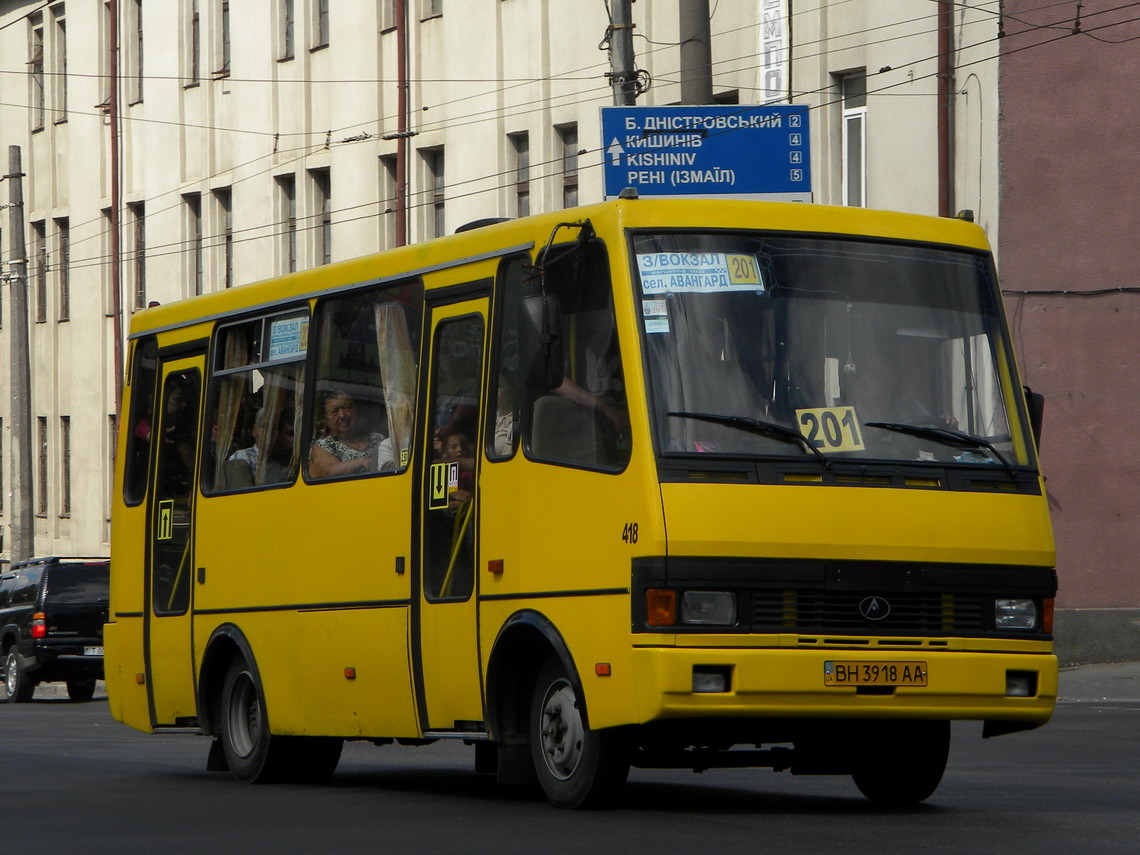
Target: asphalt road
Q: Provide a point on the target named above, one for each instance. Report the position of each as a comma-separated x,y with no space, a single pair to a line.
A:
74,780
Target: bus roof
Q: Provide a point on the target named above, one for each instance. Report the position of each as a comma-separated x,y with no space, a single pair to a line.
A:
510,236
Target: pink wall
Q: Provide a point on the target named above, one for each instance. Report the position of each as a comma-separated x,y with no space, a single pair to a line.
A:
1070,221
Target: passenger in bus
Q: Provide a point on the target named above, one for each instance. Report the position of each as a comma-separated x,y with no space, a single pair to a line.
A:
278,464
349,448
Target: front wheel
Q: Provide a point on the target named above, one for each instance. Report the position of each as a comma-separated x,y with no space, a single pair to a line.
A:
576,766
254,755
902,763
18,687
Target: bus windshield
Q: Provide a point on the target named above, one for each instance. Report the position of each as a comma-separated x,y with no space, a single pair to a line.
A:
797,345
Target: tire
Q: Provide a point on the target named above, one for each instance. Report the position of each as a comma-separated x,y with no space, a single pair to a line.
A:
254,755
18,687
901,763
576,766
81,689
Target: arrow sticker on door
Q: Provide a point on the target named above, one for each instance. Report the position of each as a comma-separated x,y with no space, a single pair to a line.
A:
444,481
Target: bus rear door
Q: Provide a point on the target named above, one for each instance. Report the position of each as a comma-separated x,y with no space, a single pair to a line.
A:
446,642
169,657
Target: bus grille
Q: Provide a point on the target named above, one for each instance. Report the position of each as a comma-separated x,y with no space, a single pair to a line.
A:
838,612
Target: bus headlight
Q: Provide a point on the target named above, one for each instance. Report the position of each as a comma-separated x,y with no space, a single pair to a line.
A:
708,608
1015,615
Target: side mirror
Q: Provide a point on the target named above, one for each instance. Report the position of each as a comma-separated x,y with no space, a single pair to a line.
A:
1035,404
540,342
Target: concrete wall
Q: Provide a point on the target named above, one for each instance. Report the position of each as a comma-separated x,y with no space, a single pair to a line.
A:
1070,256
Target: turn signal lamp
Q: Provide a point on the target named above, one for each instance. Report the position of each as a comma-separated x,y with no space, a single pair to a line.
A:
39,625
661,607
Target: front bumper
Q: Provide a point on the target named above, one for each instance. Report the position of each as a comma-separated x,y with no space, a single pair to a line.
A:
790,684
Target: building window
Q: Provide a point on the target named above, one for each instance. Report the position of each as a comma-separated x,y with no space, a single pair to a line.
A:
388,201
36,71
853,90
59,64
223,42
320,24
63,265
433,161
387,15
2,459
287,19
223,205
287,192
137,211
65,466
107,286
520,143
195,261
568,141
42,481
194,48
431,8
322,213
40,254
134,51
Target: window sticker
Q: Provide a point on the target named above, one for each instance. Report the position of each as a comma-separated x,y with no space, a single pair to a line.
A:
831,428
656,314
700,272
288,338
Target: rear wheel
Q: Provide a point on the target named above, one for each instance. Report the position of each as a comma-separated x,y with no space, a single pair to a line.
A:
576,766
18,687
902,763
82,689
256,756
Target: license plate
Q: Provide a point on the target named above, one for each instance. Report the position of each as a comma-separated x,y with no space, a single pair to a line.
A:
92,651
874,673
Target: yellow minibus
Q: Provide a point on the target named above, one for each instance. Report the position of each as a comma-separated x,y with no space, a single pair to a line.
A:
651,483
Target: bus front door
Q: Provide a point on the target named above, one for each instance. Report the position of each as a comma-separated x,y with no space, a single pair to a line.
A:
169,654
446,643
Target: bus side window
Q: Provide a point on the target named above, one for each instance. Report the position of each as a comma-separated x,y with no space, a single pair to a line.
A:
254,412
502,438
363,410
142,416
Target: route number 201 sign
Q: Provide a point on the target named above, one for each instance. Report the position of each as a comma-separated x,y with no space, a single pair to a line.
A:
831,428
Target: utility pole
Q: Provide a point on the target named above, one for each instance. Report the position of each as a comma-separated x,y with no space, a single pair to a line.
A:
696,52
22,521
623,76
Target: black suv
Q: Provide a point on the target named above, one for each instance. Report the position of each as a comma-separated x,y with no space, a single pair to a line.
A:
52,612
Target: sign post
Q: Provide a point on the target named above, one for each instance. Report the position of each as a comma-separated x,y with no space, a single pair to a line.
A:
740,151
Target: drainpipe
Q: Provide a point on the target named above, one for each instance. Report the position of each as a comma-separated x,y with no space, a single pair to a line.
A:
116,268
945,109
402,123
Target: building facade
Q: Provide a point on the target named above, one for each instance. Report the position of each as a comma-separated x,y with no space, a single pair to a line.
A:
260,137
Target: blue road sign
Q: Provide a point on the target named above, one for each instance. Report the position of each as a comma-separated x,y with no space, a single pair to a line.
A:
734,150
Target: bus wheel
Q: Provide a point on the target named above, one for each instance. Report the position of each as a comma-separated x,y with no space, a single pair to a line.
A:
576,766
256,756
902,763
18,688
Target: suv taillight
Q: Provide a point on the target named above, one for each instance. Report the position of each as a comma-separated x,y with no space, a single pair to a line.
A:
39,625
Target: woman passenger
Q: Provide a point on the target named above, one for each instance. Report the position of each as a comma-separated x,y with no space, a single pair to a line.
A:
350,448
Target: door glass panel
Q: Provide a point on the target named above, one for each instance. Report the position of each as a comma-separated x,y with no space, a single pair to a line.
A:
174,491
449,567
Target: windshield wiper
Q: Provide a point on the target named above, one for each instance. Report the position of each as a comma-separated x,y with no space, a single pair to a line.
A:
956,438
769,429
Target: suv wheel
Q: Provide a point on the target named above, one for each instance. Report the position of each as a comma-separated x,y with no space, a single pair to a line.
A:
17,687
